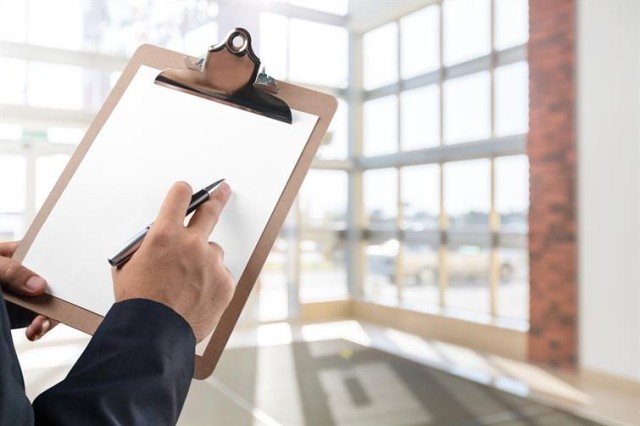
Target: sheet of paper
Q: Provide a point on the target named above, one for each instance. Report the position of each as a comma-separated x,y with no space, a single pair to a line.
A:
154,137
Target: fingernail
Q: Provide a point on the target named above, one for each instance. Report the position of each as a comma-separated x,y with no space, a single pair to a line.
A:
225,188
36,283
45,327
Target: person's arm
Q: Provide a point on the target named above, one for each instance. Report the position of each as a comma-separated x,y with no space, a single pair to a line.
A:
138,366
136,370
15,408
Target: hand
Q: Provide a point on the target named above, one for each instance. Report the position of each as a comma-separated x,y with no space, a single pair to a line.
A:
20,280
177,266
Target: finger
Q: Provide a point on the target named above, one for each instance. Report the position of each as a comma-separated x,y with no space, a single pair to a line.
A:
206,217
20,280
40,326
175,205
8,248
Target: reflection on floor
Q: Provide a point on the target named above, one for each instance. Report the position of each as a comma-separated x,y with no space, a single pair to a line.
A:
337,382
343,371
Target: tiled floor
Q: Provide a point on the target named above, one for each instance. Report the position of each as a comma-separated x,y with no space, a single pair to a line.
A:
337,382
288,374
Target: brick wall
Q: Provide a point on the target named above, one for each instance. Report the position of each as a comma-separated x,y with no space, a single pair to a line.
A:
552,153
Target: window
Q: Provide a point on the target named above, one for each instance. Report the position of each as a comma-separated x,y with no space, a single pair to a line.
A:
512,99
318,53
13,190
380,56
420,42
511,23
381,198
337,7
381,126
420,117
512,205
299,50
467,108
459,243
467,30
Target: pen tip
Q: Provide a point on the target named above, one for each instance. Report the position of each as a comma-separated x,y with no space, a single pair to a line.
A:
214,185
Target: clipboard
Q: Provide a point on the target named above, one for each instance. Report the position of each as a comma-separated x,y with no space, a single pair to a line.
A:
228,76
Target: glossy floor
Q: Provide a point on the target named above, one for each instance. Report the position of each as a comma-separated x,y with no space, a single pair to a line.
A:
329,373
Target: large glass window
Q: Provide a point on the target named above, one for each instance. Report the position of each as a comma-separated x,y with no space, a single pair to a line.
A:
420,117
381,126
512,99
512,205
460,240
323,213
467,108
420,42
419,260
381,56
312,47
467,30
511,23
381,198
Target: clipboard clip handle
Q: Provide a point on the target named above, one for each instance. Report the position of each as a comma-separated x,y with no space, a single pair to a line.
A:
229,73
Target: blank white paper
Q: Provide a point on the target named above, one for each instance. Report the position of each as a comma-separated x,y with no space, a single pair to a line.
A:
154,137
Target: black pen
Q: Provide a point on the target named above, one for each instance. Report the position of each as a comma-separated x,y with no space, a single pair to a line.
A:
127,250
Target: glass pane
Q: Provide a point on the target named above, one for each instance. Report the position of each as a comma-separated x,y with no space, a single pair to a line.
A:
468,272
380,56
467,195
13,183
273,295
323,200
12,81
273,43
466,25
420,117
47,29
381,126
337,7
11,132
513,293
67,135
420,275
512,99
511,23
420,197
324,272
55,86
379,283
313,47
420,40
197,41
12,226
381,198
48,169
512,192
335,145
467,108
13,20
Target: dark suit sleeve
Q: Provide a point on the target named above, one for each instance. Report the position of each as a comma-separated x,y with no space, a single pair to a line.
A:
19,317
15,408
136,370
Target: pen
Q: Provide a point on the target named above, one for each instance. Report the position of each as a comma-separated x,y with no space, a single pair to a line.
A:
130,247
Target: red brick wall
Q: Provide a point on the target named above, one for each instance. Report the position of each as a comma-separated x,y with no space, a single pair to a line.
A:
552,152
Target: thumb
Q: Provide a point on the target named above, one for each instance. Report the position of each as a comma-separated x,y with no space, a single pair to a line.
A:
18,279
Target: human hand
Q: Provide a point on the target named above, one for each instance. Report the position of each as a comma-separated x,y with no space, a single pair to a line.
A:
20,280
177,266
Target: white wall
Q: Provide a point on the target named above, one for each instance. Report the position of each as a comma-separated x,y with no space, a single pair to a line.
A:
608,68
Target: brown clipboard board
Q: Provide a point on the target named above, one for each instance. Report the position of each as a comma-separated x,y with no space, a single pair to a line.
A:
230,70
